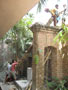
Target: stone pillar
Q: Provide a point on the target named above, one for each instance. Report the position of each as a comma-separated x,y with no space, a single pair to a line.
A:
29,73
38,69
59,65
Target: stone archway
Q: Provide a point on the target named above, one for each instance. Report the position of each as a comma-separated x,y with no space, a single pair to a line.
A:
50,67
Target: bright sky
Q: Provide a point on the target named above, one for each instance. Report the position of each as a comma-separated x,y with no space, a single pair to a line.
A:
43,17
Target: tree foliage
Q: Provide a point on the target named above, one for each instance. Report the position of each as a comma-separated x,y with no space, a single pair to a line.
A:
62,36
20,36
41,2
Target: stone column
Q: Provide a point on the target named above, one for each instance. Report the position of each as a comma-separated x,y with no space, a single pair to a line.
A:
38,68
59,65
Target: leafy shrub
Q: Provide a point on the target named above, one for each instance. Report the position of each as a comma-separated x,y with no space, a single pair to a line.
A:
57,84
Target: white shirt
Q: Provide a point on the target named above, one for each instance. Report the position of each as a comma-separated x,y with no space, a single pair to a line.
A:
9,67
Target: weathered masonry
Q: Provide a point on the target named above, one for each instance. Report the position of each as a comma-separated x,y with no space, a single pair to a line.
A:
52,61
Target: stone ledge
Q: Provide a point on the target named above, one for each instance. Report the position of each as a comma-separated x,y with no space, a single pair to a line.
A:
39,27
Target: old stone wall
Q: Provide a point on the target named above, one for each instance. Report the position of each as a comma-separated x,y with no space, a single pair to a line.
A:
44,38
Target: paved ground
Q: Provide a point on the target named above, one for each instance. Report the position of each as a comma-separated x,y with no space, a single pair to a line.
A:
8,86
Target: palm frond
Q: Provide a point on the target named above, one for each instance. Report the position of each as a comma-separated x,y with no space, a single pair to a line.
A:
41,2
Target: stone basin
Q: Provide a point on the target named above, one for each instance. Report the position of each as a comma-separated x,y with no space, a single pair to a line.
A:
22,84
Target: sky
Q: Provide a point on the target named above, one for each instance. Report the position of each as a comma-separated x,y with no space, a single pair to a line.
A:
43,17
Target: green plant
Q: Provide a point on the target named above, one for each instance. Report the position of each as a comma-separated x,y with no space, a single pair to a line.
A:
62,36
56,84
66,84
20,37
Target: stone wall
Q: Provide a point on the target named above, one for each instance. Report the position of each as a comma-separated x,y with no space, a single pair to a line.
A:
43,38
